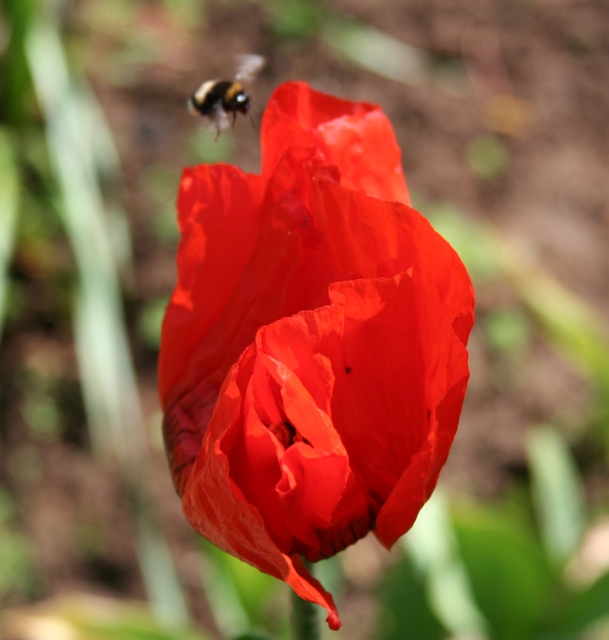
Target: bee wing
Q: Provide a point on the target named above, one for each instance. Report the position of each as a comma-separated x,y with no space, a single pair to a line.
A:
218,118
248,65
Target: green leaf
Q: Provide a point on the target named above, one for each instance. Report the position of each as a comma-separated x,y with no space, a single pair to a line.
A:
237,592
587,607
380,53
377,51
150,320
509,574
80,161
9,202
14,73
432,545
557,493
404,612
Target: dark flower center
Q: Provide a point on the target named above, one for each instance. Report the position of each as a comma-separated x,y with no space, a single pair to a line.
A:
287,434
336,537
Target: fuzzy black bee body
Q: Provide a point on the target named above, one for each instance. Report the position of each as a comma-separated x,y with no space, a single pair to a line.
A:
216,100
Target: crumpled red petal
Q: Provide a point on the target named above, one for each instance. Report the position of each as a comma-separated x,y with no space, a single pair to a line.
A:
313,360
219,511
310,486
220,216
354,136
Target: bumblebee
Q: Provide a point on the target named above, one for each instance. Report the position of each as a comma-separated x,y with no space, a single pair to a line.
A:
218,100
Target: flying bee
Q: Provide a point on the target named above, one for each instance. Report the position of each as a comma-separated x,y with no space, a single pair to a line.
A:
216,100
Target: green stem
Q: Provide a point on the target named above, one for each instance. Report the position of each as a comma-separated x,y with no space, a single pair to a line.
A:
305,619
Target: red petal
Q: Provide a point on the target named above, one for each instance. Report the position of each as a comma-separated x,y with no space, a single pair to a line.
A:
317,490
318,234
419,480
219,216
399,343
354,136
276,255
219,511
318,487
385,372
290,355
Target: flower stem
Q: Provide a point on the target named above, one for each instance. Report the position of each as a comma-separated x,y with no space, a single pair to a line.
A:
305,619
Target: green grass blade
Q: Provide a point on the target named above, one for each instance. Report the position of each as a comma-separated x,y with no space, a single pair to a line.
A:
107,377
557,493
15,21
164,589
9,203
102,346
570,324
431,543
377,51
223,596
384,55
508,571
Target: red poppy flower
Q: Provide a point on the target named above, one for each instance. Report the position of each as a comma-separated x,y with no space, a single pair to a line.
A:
313,357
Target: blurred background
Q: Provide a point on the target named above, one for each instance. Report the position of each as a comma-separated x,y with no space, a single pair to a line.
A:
501,111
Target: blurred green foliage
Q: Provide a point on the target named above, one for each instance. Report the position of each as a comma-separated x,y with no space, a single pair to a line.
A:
55,141
149,322
91,618
295,19
487,157
241,597
18,577
404,606
40,410
515,560
508,331
9,204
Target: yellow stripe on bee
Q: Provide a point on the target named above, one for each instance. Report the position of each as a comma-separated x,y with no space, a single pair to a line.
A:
200,94
232,91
